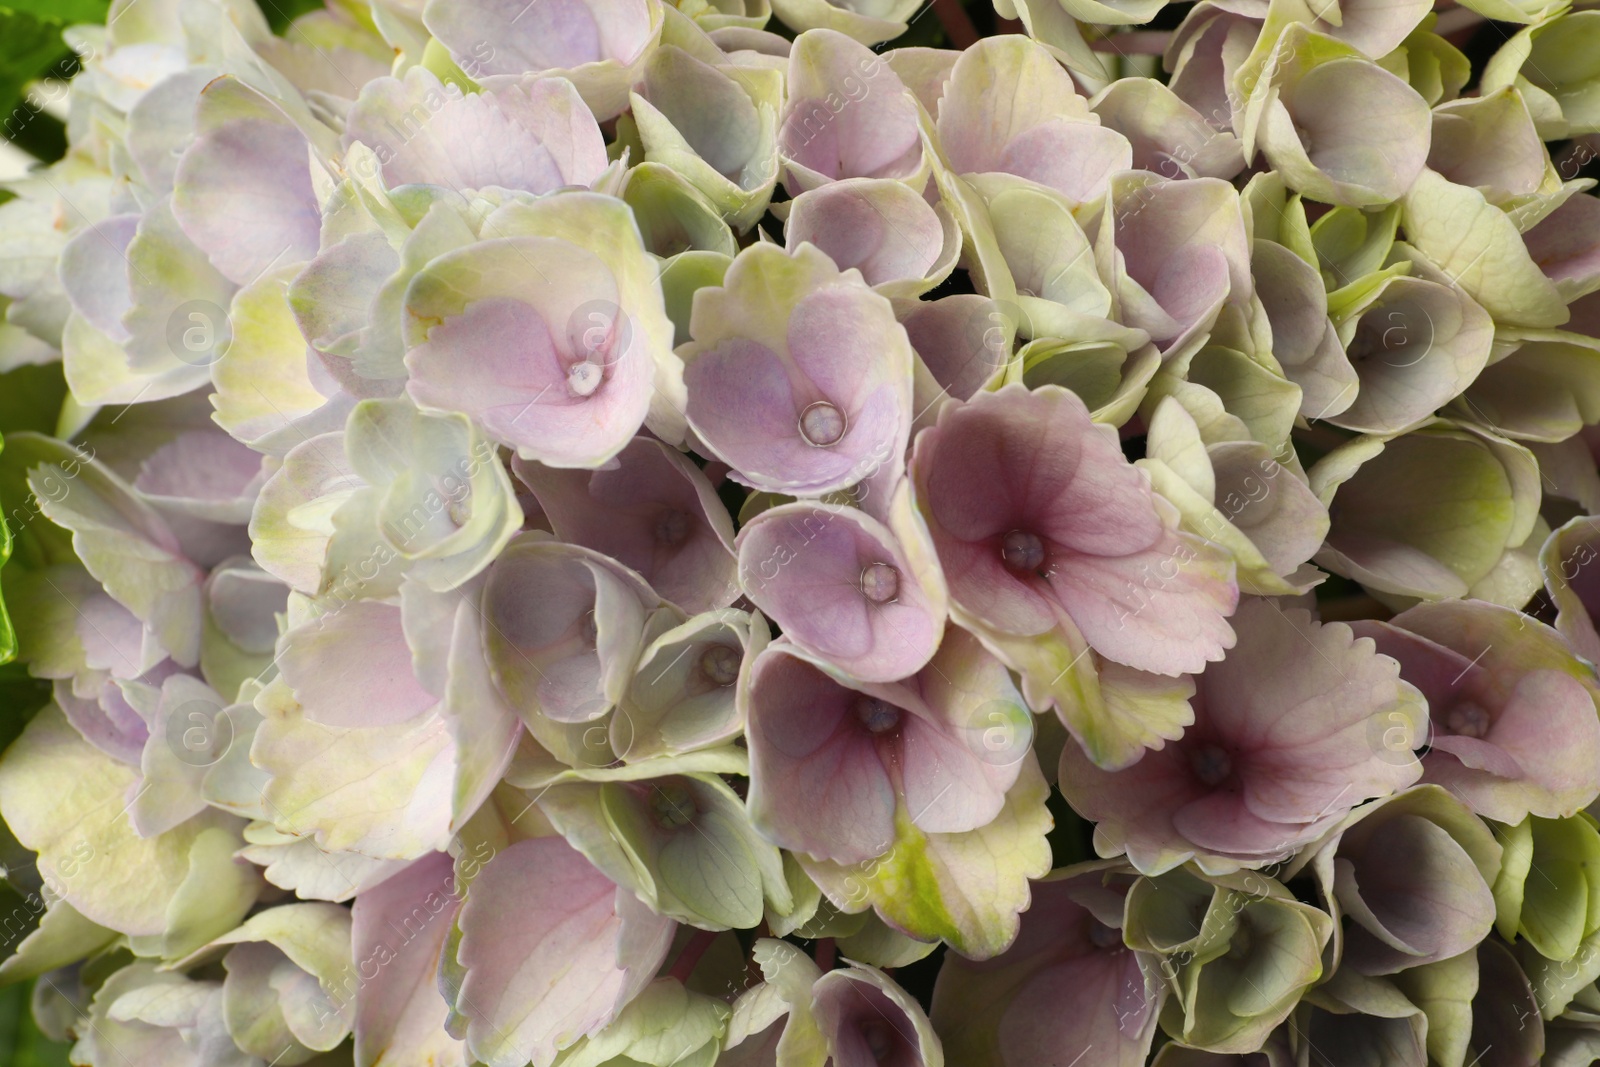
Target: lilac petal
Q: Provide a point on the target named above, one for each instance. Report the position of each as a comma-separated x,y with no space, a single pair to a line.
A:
1348,132
1304,341
1415,346
779,387
565,626
964,744
552,951
880,227
109,722
1525,706
1168,136
1415,890
1056,987
1182,247
1256,776
94,272
847,115
243,188
842,588
1574,585
403,921
510,347
596,45
1305,761
1089,539
1488,142
817,782
960,340
352,668
1001,91
654,512
536,137
868,1020
1566,246
203,473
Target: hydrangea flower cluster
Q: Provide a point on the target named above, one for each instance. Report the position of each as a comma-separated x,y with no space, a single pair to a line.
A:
598,532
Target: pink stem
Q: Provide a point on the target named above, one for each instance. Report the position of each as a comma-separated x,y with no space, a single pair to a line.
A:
684,965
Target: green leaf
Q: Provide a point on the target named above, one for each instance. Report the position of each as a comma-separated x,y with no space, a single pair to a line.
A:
21,1043
31,397
31,47
282,12
66,12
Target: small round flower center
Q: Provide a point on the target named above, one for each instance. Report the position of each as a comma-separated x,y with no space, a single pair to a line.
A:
1103,936
880,583
879,1038
1467,719
1022,551
672,805
720,664
672,527
878,716
822,424
583,378
1210,763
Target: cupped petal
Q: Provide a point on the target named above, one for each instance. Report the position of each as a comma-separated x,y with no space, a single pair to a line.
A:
552,950
878,226
1176,251
537,137
1346,131
501,336
843,588
243,189
403,922
847,115
597,46
818,784
799,376
655,512
1415,345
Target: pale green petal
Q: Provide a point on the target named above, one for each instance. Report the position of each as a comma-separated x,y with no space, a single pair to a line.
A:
666,1025
1477,246
66,800
965,888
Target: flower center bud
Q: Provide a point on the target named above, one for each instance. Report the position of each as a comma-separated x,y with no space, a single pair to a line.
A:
672,527
879,1038
822,424
880,583
1103,936
720,664
583,378
1210,763
878,716
1467,719
1022,551
672,805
